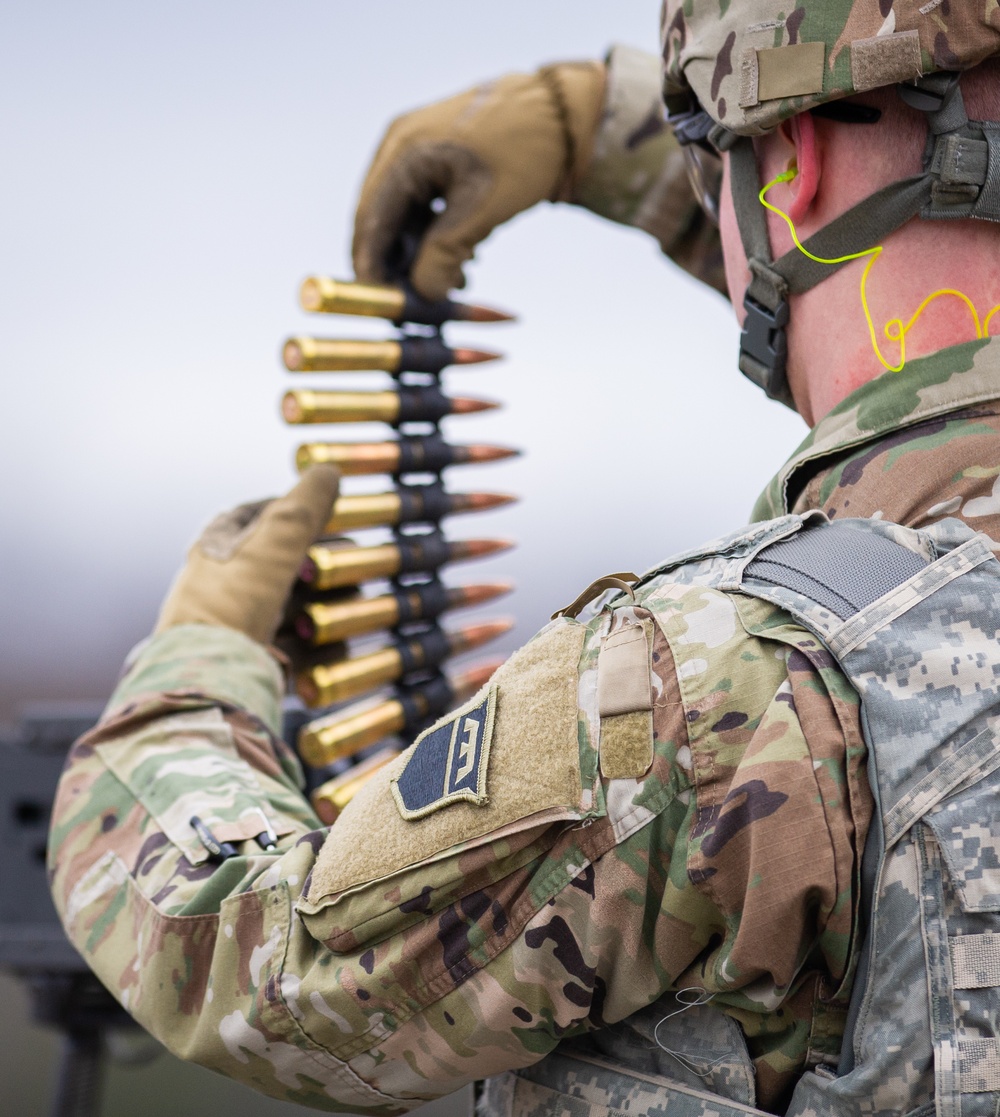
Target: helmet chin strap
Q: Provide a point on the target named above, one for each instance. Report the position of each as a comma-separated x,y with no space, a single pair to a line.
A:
961,179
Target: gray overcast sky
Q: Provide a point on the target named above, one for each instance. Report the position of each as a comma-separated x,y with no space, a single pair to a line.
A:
170,172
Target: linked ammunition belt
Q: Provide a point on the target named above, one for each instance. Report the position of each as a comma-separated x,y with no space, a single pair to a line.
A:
386,594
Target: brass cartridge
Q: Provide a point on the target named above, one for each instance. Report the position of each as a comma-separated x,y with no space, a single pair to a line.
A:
346,732
315,354
423,404
335,565
412,504
408,354
324,622
324,684
330,798
322,295
408,455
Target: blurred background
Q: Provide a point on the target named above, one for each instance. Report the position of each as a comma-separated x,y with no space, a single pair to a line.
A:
170,174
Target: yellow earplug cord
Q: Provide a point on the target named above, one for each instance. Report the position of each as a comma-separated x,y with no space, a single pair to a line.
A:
894,329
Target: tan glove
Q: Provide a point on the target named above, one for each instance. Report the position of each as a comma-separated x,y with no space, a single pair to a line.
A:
490,153
240,572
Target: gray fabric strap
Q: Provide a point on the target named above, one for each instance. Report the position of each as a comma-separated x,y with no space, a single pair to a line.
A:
988,204
967,170
963,155
863,226
768,289
960,159
763,344
839,567
951,115
751,217
961,179
762,351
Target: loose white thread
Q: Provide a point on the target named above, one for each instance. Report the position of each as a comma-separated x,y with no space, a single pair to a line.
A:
701,997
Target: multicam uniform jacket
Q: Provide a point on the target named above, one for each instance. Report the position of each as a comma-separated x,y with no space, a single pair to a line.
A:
669,796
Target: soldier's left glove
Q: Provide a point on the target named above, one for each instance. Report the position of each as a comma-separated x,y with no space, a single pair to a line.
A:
490,153
240,573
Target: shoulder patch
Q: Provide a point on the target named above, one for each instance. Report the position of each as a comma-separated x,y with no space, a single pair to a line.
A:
447,762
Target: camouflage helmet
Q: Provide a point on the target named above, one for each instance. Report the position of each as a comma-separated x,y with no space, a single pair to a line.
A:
735,69
752,63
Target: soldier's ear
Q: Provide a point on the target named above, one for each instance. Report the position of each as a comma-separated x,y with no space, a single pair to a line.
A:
800,134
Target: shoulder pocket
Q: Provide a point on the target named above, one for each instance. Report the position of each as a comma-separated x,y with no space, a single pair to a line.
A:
440,823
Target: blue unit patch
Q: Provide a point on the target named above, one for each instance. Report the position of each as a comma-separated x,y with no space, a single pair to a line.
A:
448,762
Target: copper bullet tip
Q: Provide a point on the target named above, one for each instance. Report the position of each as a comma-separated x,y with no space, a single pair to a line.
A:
472,312
480,502
474,356
490,629
464,405
472,636
483,453
466,597
480,548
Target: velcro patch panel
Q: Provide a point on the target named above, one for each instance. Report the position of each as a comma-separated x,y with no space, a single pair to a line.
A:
790,71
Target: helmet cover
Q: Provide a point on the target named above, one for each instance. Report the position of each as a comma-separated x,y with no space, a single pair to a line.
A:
751,63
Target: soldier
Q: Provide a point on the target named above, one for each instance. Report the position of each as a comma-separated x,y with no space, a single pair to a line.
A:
628,872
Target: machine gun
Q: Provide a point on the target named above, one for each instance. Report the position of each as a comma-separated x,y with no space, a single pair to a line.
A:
64,994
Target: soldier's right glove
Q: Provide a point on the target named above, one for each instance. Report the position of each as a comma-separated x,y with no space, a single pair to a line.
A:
240,572
489,153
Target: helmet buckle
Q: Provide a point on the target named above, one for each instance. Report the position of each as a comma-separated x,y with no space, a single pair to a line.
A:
764,347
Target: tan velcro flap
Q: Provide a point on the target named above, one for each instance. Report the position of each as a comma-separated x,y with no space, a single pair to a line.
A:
790,71
363,875
749,80
627,745
885,60
623,680
625,701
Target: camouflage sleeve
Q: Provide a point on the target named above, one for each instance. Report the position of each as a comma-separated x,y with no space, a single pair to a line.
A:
542,862
636,175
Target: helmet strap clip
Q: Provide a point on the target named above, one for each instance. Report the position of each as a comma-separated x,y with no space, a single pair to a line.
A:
930,93
764,348
962,156
763,343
